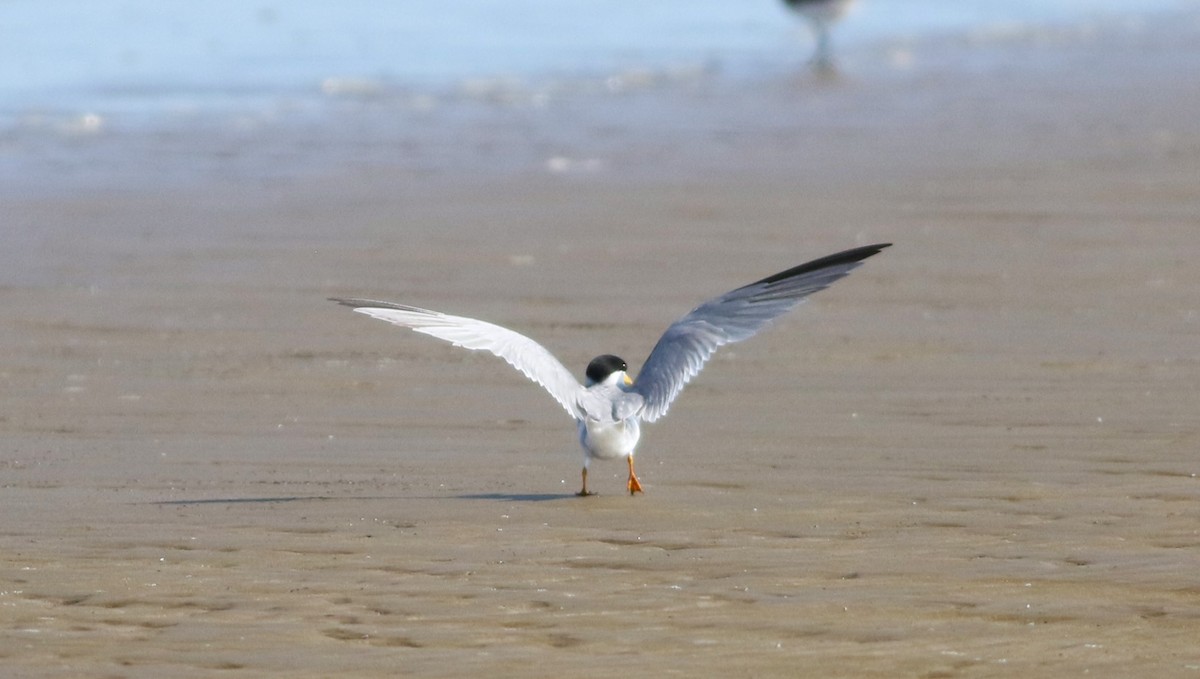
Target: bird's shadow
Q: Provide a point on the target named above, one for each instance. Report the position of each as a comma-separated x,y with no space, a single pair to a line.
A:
250,500
499,497
517,497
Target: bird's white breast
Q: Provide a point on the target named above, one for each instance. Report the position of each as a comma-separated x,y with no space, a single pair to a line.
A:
611,440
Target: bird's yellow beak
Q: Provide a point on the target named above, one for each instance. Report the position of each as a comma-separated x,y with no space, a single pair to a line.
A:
628,381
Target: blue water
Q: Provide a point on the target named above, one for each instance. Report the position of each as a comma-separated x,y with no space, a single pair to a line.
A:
77,74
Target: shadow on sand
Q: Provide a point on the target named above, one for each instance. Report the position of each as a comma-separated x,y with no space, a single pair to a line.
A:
517,497
500,497
258,500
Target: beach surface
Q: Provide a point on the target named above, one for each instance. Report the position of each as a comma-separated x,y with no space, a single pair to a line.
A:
976,456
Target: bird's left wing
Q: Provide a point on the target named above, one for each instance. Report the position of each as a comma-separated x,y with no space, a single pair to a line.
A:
737,315
519,351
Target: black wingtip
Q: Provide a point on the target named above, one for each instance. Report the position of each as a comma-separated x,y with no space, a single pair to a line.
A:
844,257
359,303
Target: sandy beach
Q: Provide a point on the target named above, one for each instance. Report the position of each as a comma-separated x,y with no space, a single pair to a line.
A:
976,456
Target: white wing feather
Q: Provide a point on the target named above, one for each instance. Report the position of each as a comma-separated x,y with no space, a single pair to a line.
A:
522,353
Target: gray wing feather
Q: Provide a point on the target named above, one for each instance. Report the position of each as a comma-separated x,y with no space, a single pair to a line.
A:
737,315
522,353
608,404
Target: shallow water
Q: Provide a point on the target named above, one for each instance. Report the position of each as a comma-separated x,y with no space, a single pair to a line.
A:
145,92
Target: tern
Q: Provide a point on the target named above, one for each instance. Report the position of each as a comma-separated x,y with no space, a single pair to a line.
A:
610,406
821,14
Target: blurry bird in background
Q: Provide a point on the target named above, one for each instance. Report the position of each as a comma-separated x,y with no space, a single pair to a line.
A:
821,14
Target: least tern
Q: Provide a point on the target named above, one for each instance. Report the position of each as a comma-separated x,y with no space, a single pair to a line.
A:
821,14
609,407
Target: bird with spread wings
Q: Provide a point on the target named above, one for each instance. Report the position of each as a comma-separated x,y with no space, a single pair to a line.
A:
609,406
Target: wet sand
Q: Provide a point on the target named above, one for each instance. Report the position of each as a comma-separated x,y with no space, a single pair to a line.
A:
976,456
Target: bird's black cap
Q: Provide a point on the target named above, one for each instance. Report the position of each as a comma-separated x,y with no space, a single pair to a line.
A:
603,366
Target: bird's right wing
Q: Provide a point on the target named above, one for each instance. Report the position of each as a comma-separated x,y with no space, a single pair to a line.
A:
519,351
737,315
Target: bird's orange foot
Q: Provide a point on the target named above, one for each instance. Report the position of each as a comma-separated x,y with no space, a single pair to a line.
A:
584,493
634,486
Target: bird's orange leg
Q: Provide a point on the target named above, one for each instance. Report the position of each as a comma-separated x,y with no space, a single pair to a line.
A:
584,492
634,485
